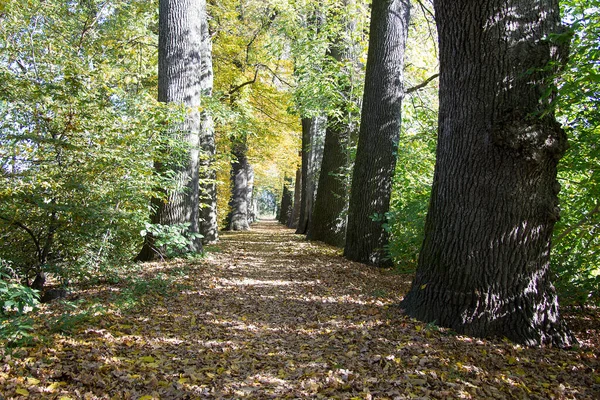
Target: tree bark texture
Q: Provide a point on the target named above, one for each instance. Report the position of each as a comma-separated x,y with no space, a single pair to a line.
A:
237,219
208,184
367,239
328,223
484,265
295,217
312,155
181,71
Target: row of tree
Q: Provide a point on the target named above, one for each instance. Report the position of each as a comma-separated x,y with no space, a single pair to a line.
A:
484,265
88,143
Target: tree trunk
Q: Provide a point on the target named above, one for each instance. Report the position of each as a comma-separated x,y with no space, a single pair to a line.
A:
208,185
180,80
367,239
483,268
295,217
250,193
286,203
312,155
328,222
237,219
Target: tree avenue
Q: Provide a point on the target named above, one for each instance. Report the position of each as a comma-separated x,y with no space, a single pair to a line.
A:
484,265
142,128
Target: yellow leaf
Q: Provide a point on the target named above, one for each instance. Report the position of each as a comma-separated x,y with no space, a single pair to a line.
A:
22,392
183,380
423,286
33,381
65,398
418,328
146,397
147,359
55,385
511,360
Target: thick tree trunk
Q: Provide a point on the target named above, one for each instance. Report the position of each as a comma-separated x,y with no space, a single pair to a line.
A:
328,222
237,219
483,268
367,238
295,217
180,80
312,155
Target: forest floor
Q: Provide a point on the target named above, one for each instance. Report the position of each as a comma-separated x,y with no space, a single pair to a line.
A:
267,314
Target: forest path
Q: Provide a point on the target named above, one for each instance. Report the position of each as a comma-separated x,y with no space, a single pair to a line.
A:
269,315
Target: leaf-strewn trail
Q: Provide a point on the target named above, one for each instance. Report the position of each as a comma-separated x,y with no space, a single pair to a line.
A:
269,315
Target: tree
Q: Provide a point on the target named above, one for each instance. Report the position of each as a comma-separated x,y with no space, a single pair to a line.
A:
182,79
295,217
484,265
208,185
285,210
366,237
575,244
328,223
78,123
312,155
237,219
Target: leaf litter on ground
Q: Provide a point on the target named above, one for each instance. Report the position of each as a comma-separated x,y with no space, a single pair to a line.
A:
270,315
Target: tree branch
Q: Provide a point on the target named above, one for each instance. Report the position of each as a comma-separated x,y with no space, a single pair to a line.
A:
238,87
26,229
421,85
275,75
582,221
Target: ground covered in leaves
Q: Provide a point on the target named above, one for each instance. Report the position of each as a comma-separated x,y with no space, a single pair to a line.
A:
269,315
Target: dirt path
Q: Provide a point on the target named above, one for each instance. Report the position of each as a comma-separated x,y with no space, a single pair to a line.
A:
269,315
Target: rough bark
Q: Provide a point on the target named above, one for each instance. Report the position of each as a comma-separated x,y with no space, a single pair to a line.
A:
312,155
208,184
328,219
237,219
180,80
484,265
295,217
328,222
367,238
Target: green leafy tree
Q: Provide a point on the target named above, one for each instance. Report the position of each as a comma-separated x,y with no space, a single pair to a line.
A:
576,252
78,133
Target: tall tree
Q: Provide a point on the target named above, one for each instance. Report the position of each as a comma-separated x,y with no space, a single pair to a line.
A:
367,238
295,217
208,185
285,210
237,219
250,193
483,267
312,155
328,223
180,80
